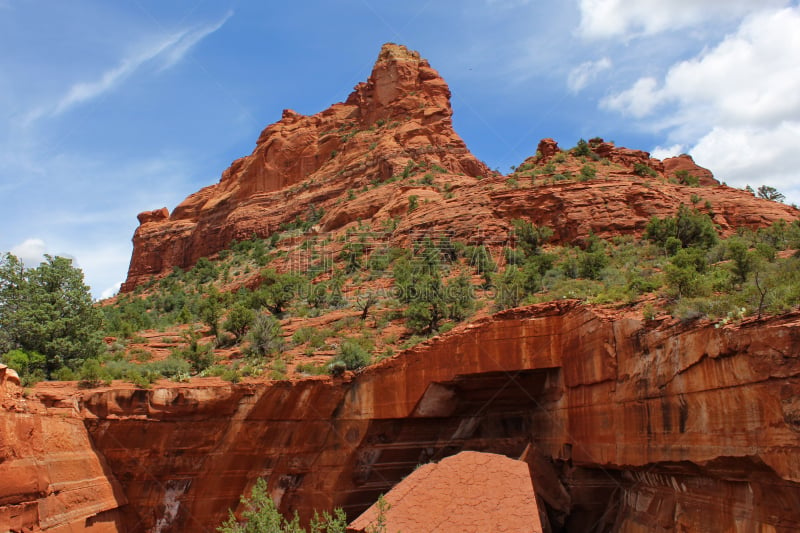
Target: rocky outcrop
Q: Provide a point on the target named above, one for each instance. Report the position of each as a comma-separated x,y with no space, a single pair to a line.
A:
627,426
469,491
684,163
51,476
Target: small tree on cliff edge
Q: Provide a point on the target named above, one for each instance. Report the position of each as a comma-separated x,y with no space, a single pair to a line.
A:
48,310
770,193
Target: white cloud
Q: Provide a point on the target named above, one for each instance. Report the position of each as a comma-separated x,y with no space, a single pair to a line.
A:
735,106
640,100
629,18
167,50
30,252
189,39
754,156
663,152
583,74
111,291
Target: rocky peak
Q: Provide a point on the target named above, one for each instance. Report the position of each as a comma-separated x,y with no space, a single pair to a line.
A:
547,148
673,166
399,116
402,84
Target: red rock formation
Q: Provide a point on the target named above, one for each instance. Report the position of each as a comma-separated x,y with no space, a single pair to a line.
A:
392,126
401,113
638,426
673,165
51,477
469,491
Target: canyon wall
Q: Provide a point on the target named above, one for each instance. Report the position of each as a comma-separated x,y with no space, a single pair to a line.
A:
52,477
627,426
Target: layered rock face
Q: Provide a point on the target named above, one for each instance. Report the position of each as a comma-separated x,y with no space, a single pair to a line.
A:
353,162
51,476
627,426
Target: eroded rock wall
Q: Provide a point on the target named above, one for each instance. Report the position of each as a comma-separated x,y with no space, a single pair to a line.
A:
628,426
635,425
51,476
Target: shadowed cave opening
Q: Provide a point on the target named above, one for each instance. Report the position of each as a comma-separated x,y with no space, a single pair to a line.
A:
506,413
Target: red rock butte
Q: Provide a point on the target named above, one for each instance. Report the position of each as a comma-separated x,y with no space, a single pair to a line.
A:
401,117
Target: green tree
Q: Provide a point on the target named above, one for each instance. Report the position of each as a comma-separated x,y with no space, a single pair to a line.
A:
431,301
211,310
770,193
260,515
428,307
582,149
689,226
48,310
276,292
199,356
510,288
530,237
354,353
353,255
742,259
481,258
684,272
239,320
593,260
30,366
204,270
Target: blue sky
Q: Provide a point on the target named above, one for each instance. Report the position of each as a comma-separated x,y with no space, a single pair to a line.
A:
112,108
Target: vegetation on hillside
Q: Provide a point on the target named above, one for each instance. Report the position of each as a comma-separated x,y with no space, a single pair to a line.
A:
309,303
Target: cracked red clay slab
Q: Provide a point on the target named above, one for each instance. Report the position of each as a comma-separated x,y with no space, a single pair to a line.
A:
468,492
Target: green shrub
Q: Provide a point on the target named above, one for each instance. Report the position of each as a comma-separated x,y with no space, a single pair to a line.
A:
354,353
312,368
530,237
199,356
239,320
480,258
742,260
685,178
689,226
582,149
644,170
265,337
314,336
510,288
30,366
260,515
91,374
588,172
514,256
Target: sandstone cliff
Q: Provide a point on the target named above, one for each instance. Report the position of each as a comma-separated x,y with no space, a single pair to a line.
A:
629,426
